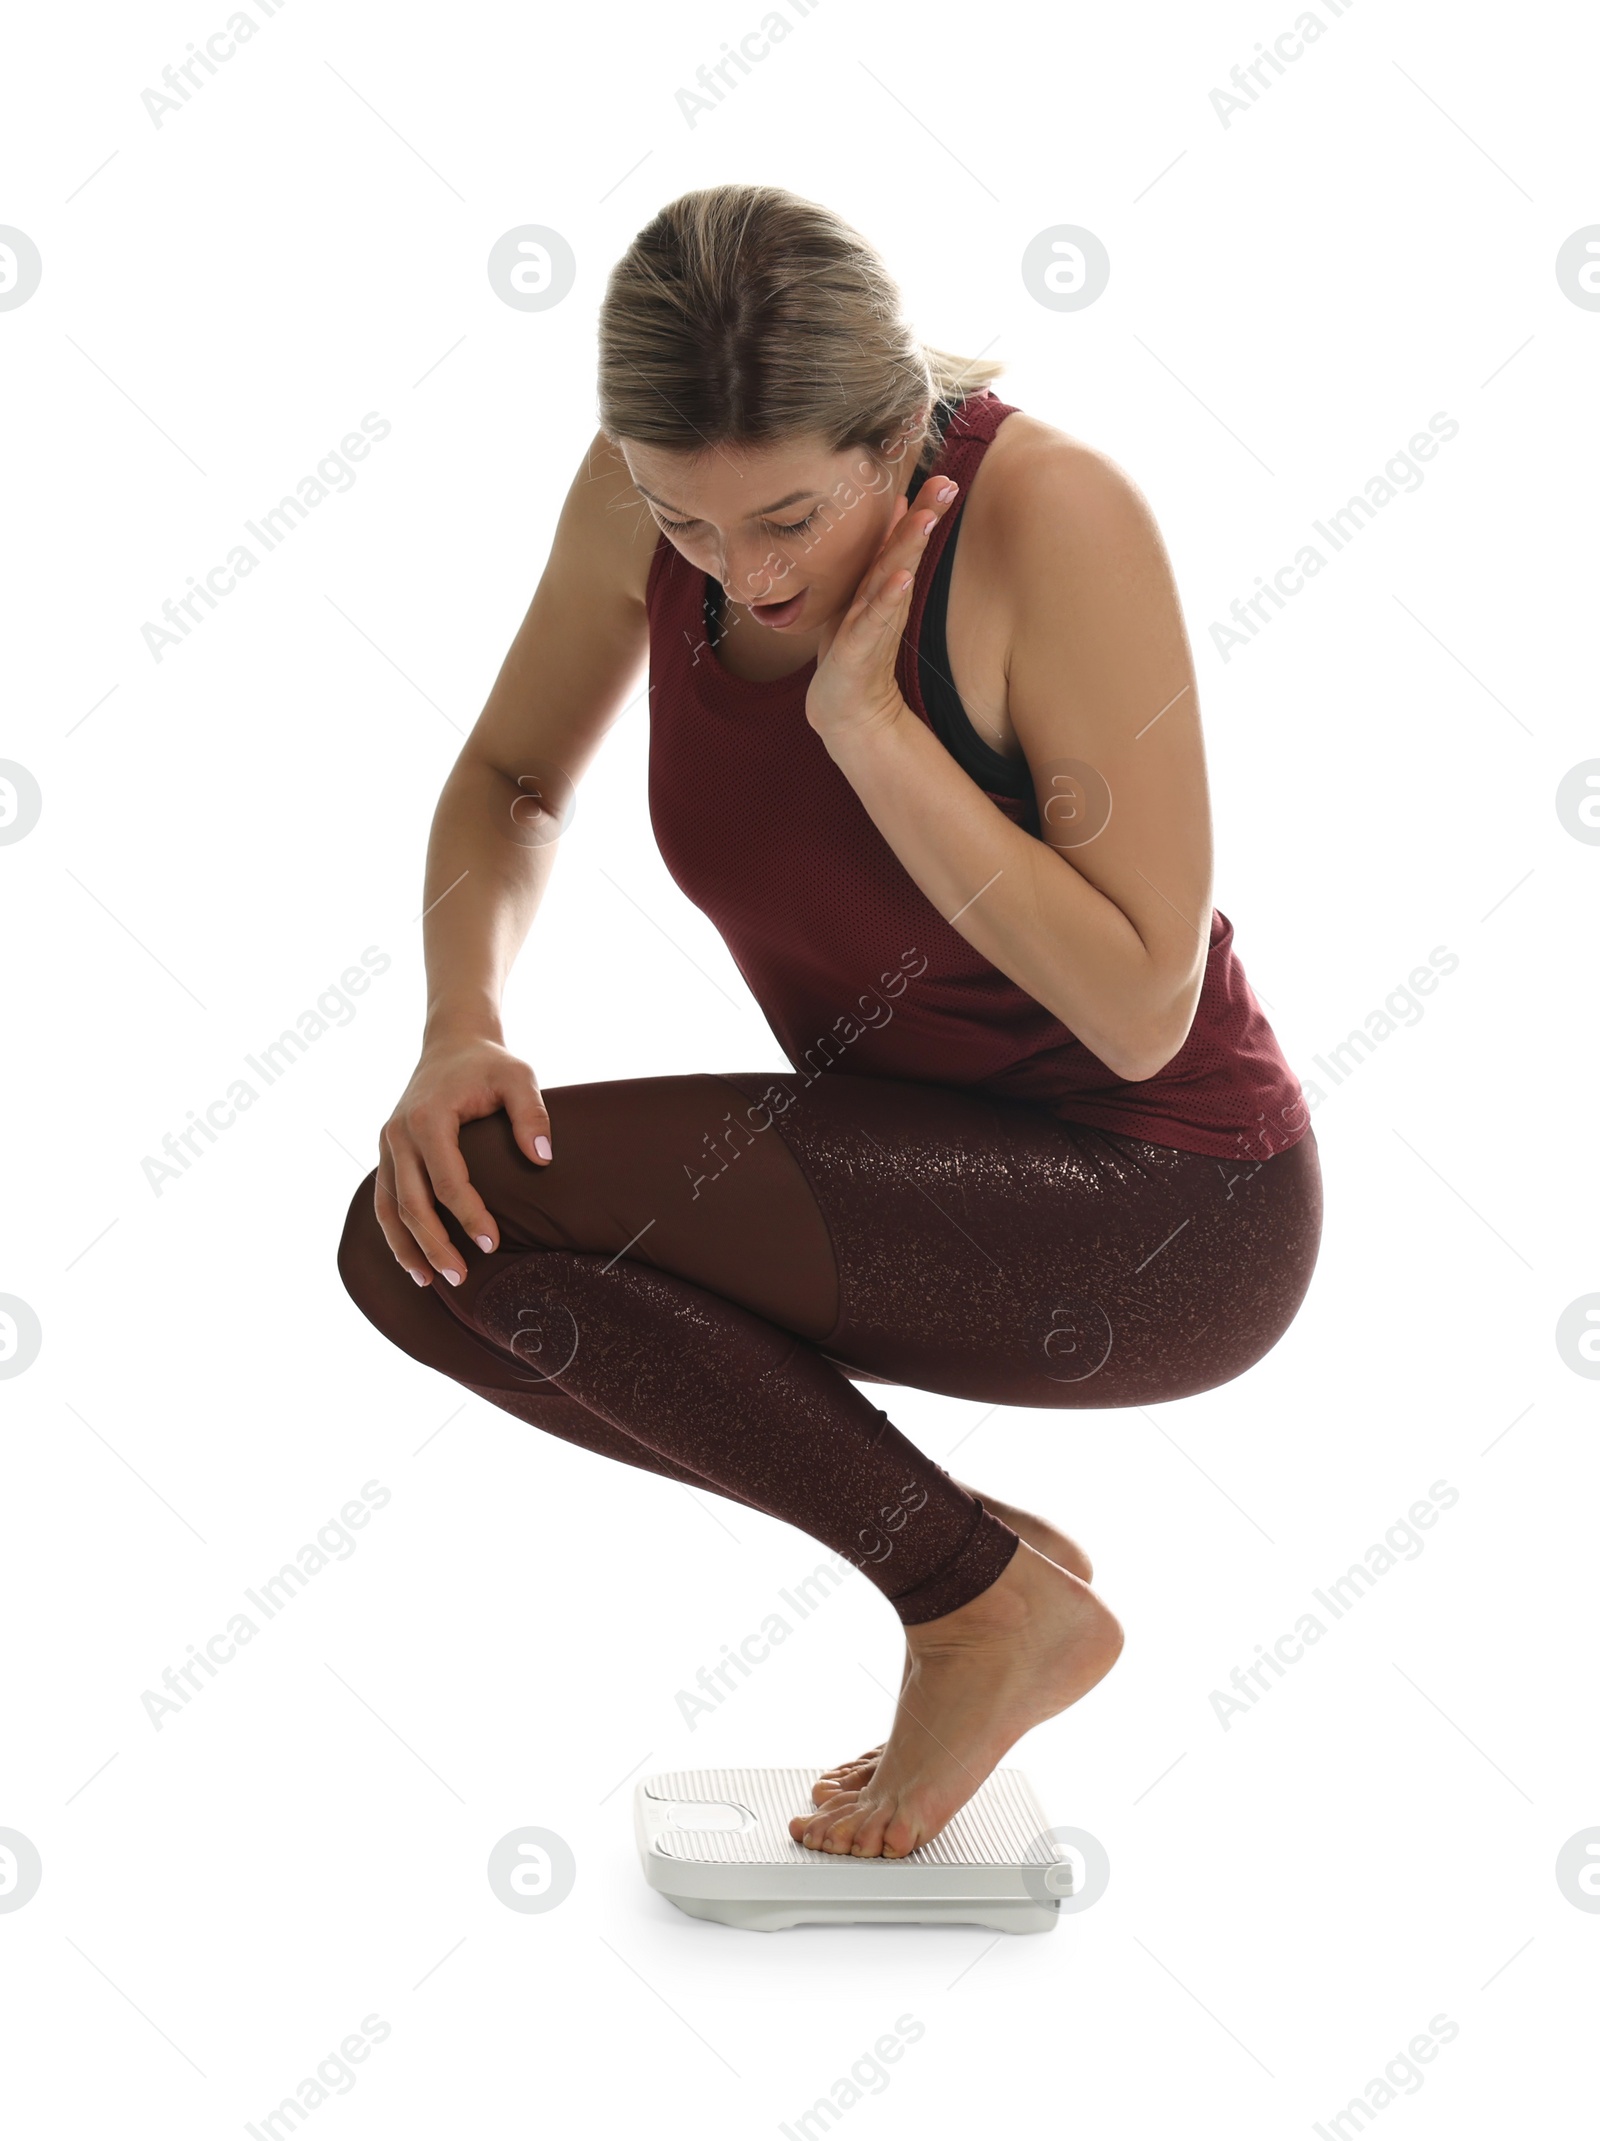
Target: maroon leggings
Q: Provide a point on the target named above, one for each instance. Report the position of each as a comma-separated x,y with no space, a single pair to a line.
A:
709,1265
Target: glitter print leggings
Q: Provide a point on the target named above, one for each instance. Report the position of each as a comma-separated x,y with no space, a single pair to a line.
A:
699,1279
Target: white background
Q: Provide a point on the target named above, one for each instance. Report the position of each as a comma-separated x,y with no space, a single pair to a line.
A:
1292,296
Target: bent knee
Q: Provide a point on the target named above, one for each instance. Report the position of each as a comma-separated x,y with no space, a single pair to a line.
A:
365,1259
550,1206
497,1167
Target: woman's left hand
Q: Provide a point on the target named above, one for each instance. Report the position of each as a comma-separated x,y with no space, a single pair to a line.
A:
855,685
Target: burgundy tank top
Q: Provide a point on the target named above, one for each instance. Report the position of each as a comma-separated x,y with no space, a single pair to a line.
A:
852,965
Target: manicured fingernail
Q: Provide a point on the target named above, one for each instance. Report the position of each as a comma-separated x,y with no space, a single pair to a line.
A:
541,1146
454,1277
484,1242
945,493
930,524
421,1277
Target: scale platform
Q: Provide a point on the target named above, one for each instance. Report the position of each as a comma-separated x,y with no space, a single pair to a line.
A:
716,1843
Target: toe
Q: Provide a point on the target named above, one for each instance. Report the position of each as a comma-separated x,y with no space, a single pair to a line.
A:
868,1842
848,1777
809,1829
831,1827
839,1834
901,1835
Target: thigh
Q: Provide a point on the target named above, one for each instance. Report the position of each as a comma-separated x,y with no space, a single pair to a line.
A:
988,1250
670,1172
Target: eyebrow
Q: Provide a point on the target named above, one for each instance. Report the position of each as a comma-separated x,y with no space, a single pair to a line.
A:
793,498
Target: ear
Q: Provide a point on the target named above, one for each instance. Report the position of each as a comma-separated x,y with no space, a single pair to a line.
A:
924,418
913,426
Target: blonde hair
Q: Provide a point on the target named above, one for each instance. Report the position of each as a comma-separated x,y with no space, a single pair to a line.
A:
743,315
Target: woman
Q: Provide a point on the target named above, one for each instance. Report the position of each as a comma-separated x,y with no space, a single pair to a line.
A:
947,806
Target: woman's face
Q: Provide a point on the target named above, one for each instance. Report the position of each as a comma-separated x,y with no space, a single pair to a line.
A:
788,529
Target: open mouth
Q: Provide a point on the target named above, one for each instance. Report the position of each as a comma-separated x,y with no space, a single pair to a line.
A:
778,613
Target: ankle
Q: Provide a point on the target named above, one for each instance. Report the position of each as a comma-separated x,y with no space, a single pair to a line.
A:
1005,1613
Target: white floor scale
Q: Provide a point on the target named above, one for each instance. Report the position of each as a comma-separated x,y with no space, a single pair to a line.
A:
716,1843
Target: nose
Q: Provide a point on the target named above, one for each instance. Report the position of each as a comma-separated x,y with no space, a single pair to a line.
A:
750,571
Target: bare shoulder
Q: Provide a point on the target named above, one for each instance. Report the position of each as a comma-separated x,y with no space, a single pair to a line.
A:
605,531
1052,504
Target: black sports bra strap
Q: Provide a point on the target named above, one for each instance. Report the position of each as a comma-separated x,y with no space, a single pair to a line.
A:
951,722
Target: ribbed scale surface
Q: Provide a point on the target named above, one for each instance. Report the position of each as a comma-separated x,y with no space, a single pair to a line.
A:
1001,1825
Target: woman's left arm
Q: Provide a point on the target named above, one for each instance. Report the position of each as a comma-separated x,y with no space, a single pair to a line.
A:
1105,919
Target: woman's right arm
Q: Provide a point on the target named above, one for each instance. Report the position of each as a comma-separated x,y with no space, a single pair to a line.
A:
490,852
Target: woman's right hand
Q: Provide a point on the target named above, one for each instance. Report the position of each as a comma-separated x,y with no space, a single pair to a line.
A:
457,1080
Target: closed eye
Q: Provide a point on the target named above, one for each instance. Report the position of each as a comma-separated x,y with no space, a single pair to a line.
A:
798,527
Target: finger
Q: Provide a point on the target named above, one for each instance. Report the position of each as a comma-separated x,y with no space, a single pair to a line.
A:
897,562
879,614
916,522
938,494
438,1141
414,1203
530,1118
395,1231
892,536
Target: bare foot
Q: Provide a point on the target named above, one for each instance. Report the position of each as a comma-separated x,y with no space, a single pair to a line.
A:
1045,1539
1032,1644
